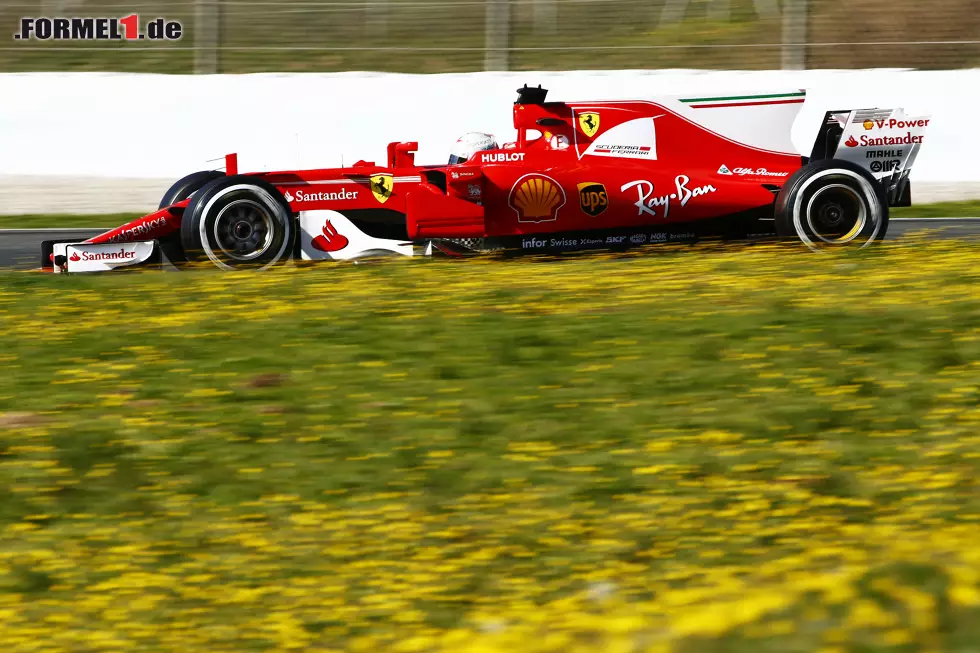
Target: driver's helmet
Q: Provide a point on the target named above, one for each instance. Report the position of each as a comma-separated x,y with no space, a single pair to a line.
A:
470,144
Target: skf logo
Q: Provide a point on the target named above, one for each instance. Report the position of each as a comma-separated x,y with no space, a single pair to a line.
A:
589,123
381,186
536,198
592,197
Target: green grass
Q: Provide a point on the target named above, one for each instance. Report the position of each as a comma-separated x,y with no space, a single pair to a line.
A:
65,221
969,209
944,210
754,449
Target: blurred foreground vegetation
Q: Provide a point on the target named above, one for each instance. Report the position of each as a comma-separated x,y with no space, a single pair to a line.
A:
692,449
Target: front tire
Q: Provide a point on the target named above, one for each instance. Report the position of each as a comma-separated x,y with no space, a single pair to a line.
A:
180,191
238,222
832,203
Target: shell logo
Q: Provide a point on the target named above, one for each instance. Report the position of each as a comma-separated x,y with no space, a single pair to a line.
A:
536,198
869,124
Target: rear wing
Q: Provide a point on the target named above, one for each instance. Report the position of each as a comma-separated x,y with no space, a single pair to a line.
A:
885,142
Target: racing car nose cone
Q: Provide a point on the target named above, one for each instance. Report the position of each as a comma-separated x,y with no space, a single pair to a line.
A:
242,229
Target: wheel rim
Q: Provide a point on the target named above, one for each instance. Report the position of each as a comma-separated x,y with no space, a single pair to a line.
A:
836,214
243,230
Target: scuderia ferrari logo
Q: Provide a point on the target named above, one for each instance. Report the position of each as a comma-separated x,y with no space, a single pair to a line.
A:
381,186
589,123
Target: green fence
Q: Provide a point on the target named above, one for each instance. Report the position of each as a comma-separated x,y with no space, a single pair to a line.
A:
466,35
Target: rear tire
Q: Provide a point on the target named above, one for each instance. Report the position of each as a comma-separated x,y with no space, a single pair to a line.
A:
832,203
237,223
180,191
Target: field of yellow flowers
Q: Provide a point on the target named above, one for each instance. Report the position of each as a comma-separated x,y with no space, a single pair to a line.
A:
752,449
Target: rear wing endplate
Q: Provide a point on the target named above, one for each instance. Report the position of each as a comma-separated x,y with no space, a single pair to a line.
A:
885,142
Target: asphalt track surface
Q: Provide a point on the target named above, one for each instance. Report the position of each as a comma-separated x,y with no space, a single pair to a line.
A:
21,249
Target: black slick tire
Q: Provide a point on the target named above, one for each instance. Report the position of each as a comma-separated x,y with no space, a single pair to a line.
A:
832,203
238,222
180,191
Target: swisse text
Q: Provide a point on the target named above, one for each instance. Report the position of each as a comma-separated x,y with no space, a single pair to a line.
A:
501,157
134,233
647,202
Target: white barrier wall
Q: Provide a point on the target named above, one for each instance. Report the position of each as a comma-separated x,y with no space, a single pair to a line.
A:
157,127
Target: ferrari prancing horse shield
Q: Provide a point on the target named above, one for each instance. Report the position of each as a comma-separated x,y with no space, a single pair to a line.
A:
381,186
589,122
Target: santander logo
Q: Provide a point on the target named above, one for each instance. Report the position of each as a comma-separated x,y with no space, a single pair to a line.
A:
851,141
74,257
331,240
121,255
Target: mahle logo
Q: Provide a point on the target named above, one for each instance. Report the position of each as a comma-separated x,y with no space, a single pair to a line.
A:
98,29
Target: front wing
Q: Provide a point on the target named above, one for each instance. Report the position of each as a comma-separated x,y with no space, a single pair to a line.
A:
70,258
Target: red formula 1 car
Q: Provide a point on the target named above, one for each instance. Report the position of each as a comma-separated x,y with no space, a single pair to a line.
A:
578,176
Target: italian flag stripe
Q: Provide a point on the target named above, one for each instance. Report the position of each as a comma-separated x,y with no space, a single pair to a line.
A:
745,100
746,104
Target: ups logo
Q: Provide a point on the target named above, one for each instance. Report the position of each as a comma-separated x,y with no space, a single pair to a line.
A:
592,197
